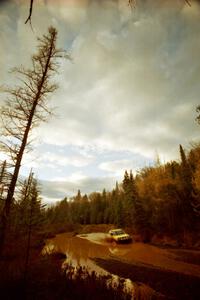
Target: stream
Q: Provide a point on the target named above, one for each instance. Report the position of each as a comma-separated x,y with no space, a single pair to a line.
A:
127,261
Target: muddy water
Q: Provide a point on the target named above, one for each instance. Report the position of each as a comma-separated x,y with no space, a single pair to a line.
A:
84,250
81,249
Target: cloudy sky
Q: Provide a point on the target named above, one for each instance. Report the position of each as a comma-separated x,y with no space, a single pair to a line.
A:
129,94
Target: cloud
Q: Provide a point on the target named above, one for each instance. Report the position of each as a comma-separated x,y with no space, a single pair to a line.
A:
77,177
133,85
56,190
63,160
117,167
130,78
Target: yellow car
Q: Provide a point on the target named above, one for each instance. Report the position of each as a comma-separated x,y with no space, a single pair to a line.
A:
119,236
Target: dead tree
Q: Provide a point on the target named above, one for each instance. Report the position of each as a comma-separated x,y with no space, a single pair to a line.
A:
25,108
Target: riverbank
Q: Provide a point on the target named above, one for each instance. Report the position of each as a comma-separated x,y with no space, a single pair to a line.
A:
173,285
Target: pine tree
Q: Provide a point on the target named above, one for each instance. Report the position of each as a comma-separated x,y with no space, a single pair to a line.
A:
78,197
130,197
187,191
30,216
119,213
126,181
29,205
85,210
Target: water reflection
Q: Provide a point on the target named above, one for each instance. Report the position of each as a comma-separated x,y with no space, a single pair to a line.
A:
81,249
79,252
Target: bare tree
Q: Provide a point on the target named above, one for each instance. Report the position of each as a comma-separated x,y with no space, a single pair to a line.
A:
26,108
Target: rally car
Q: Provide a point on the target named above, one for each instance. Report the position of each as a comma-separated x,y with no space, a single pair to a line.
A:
119,236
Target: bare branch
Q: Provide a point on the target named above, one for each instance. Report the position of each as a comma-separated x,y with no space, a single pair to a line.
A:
30,13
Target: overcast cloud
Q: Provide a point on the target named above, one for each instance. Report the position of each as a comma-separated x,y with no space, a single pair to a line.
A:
130,92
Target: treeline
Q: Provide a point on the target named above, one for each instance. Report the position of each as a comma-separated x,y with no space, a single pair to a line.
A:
160,199
26,274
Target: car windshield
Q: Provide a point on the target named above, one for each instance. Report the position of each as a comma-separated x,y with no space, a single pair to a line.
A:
118,232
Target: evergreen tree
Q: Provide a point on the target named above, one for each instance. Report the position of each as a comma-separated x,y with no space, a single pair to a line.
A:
187,191
30,219
85,210
130,197
30,209
78,197
119,215
126,182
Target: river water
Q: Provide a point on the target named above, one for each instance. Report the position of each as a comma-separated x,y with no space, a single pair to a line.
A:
81,250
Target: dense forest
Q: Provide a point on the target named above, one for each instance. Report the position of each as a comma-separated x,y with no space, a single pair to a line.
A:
160,199
163,199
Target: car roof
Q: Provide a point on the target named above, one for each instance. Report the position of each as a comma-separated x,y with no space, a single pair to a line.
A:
116,229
